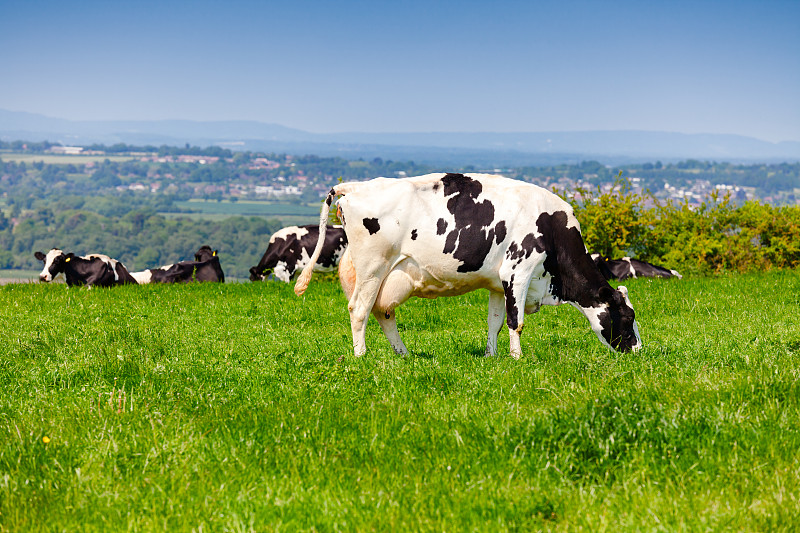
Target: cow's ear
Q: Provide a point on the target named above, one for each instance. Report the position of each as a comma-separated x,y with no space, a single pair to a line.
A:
39,255
69,257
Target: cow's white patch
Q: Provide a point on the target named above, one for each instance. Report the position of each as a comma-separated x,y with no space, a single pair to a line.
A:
630,266
287,232
592,314
142,278
282,272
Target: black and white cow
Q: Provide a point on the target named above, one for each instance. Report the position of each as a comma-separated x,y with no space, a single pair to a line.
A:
208,269
631,268
448,234
90,270
289,250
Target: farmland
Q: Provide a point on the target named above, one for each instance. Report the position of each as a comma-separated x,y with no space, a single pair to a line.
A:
52,159
287,213
241,407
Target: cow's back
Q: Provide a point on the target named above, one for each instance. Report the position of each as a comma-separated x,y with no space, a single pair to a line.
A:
449,231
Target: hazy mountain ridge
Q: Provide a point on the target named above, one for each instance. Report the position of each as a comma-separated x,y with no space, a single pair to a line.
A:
484,148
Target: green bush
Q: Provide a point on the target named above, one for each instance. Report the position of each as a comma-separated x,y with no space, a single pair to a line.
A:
716,236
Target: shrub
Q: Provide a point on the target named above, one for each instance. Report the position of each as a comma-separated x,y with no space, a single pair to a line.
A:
716,236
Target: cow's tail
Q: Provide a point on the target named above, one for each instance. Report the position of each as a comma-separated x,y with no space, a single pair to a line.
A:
305,276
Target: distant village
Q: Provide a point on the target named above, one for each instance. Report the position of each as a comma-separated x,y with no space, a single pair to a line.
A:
240,176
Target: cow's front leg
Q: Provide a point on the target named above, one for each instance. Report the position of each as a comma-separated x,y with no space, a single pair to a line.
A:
497,314
515,290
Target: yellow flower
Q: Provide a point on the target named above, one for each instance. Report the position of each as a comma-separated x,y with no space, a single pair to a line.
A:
45,439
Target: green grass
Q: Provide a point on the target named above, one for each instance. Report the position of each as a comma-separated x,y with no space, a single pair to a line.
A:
240,407
249,208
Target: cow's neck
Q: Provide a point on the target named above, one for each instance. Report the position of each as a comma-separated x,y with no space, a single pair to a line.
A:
577,281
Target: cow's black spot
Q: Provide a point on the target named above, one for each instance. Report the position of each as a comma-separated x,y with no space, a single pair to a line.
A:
511,304
519,251
500,231
413,235
471,239
575,278
329,199
441,226
372,225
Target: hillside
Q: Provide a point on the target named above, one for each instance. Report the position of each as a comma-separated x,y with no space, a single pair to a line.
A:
477,148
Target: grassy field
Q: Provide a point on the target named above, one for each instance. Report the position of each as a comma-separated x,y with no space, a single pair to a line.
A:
240,407
288,214
56,159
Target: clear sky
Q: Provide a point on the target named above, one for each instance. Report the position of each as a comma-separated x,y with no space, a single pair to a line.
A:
692,66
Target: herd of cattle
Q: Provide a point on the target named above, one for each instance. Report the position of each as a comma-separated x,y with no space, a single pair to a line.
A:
425,236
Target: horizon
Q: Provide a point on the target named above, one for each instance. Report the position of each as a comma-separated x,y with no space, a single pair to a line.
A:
510,67
421,132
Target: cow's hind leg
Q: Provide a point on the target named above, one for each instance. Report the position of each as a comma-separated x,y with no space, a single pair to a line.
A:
389,326
360,305
497,314
396,289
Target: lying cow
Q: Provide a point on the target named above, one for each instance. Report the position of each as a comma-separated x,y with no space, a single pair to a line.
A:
449,234
185,271
631,268
290,248
90,270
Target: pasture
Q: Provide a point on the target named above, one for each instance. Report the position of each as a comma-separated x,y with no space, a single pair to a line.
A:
287,213
59,159
240,407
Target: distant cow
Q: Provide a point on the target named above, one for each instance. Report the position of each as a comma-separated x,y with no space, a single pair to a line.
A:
631,268
290,248
90,270
186,271
449,234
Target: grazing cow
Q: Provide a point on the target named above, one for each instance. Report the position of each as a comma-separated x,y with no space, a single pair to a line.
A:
631,268
290,248
448,234
90,270
185,271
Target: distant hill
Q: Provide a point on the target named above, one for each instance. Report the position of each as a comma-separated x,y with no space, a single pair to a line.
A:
477,148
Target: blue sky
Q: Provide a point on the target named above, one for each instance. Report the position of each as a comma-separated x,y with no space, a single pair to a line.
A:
683,66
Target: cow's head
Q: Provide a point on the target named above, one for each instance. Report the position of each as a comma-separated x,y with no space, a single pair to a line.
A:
615,321
54,263
602,265
205,253
257,275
